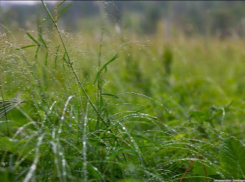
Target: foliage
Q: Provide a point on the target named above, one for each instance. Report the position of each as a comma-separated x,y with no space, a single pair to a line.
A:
161,111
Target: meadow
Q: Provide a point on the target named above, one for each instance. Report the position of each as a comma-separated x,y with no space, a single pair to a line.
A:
116,106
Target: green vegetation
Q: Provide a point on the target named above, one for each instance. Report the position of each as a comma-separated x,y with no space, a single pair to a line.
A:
119,107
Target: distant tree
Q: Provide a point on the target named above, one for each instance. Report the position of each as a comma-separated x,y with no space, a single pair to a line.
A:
222,22
151,18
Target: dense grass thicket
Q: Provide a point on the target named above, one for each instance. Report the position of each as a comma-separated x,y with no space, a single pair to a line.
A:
113,106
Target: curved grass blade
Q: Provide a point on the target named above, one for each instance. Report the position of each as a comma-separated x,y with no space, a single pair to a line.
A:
8,105
105,67
111,95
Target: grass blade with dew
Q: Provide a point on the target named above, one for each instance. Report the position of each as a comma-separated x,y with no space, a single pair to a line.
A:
34,40
105,67
8,105
24,47
70,63
55,9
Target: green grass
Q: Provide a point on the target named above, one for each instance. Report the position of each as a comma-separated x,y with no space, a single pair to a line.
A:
161,111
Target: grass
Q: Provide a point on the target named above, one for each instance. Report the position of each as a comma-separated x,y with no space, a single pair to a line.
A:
160,111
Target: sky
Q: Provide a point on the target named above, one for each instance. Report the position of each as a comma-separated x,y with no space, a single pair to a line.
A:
3,3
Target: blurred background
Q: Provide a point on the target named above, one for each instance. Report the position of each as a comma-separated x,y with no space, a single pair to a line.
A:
223,19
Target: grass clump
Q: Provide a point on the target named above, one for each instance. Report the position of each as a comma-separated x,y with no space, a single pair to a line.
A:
165,122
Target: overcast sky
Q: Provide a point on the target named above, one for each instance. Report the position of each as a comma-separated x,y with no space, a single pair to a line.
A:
3,3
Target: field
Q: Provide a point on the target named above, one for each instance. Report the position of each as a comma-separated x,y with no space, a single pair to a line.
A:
115,106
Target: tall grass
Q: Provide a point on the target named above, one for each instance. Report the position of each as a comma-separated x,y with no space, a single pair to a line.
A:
157,114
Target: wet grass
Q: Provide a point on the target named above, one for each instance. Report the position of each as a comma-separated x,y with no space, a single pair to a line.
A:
160,111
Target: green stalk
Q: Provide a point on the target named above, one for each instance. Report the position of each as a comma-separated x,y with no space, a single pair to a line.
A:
70,63
99,88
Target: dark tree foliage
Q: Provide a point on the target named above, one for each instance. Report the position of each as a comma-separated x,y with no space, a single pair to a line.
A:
222,18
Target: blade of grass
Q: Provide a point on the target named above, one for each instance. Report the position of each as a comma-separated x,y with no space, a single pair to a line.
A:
34,40
47,17
99,88
111,95
62,11
42,40
70,64
36,54
24,47
105,67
